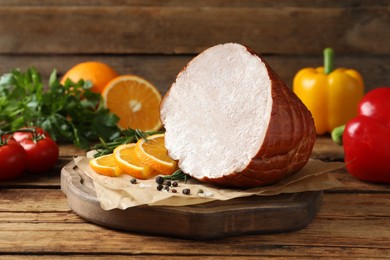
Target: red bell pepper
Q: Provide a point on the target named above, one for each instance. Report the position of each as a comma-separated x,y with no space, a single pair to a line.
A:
366,138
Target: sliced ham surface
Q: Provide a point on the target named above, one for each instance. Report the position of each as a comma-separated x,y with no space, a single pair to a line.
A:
231,121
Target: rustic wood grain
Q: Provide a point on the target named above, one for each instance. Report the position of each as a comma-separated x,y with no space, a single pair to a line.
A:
326,150
161,70
364,215
32,200
181,29
194,3
352,185
155,39
352,223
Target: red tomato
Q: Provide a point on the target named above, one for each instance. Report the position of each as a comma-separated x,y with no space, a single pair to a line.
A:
42,154
12,160
19,136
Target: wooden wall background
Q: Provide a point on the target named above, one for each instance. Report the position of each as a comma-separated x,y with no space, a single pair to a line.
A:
156,38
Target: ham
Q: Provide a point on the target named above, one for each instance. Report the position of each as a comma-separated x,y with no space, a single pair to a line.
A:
231,121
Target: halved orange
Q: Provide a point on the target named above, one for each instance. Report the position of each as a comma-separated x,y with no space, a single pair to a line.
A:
128,162
105,165
154,154
135,101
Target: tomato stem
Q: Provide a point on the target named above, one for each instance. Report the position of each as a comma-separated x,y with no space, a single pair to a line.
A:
5,136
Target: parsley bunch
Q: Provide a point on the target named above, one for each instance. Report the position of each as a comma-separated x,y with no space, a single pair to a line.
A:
69,112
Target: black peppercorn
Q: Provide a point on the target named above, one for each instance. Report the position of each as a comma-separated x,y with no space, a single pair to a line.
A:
166,187
174,184
186,191
159,180
160,187
174,190
169,183
133,180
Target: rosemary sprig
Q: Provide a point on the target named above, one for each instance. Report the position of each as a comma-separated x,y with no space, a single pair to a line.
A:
127,136
178,175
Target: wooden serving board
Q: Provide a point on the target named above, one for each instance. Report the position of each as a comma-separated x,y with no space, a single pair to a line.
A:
212,220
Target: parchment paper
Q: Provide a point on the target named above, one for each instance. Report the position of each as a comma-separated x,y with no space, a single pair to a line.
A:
119,192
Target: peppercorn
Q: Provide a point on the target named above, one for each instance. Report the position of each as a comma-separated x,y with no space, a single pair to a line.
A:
133,180
174,190
168,183
175,184
159,180
186,191
160,187
166,187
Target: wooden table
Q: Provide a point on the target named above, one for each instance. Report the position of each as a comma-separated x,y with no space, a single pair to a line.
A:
35,220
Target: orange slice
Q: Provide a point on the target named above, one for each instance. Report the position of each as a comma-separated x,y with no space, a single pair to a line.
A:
135,101
105,165
128,162
154,154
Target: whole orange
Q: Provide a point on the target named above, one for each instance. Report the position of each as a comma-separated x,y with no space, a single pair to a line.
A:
97,72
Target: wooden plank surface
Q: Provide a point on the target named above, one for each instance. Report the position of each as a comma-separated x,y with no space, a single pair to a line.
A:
36,221
155,39
181,29
161,70
48,230
194,3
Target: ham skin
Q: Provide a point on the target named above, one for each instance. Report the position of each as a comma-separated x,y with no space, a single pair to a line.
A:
231,121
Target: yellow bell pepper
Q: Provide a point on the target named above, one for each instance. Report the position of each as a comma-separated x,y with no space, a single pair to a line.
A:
332,96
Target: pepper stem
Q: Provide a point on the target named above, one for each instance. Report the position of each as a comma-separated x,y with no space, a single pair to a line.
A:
328,60
337,134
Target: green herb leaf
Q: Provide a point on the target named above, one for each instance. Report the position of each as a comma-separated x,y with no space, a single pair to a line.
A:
127,136
178,175
70,112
